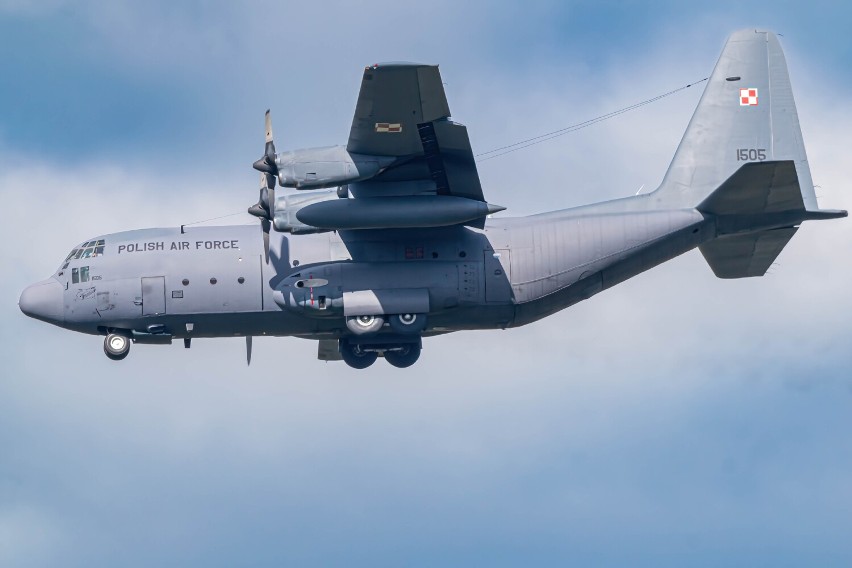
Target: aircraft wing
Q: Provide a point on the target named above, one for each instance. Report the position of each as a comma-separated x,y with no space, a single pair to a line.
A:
402,112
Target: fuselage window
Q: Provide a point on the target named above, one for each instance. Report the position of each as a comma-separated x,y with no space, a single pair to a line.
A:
84,274
75,276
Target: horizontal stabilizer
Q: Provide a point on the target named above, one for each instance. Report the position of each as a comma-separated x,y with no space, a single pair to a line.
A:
756,188
746,255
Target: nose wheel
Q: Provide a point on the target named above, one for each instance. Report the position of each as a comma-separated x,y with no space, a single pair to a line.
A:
116,346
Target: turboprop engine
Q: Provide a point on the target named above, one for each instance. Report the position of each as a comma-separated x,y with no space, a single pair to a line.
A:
285,207
319,168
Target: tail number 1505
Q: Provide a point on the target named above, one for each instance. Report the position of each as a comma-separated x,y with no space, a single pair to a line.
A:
751,154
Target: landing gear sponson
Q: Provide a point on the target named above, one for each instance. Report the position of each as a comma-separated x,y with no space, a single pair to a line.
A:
400,345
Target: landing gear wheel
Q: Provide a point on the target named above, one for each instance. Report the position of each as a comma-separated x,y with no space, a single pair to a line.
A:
355,356
405,357
408,323
362,325
116,346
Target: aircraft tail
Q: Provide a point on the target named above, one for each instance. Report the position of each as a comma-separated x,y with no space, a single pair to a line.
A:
746,114
742,159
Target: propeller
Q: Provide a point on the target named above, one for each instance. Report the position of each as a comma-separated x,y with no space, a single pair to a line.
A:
263,210
268,176
248,350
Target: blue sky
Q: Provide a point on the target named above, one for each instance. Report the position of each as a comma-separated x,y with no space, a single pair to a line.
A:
674,420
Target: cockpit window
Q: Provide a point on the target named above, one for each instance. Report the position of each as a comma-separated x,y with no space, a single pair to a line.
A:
87,250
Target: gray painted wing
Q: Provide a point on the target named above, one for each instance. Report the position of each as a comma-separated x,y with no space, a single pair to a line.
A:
751,254
402,112
393,100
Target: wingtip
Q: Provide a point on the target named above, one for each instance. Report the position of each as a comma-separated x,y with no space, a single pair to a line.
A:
820,214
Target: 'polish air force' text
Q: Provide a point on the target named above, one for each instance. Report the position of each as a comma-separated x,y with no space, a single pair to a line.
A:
179,246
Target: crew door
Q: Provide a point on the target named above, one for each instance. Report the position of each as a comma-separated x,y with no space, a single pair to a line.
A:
498,275
153,295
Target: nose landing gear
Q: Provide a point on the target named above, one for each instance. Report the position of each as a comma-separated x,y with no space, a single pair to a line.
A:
116,346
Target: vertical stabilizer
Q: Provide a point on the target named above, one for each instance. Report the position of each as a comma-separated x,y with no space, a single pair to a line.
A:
746,114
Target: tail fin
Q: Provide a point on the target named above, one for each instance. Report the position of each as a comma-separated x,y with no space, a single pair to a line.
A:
746,114
742,159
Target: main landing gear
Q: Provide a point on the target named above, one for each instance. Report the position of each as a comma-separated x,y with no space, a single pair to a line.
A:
116,346
362,355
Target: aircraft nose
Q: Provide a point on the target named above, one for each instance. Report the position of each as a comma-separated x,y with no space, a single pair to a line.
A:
43,300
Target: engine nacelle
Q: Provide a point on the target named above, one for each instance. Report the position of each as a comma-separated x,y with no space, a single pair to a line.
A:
286,206
317,168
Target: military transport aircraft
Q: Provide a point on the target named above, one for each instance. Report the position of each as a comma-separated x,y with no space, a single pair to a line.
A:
386,240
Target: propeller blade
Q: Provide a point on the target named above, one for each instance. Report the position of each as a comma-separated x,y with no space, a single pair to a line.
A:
268,125
263,210
264,223
248,350
269,151
267,163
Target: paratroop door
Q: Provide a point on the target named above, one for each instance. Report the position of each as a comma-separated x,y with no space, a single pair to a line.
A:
498,274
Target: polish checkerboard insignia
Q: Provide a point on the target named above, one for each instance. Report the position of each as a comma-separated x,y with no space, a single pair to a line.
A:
388,127
748,97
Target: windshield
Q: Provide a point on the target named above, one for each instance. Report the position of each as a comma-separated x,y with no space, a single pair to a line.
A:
87,250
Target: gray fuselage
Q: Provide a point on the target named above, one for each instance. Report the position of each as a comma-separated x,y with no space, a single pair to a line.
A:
215,281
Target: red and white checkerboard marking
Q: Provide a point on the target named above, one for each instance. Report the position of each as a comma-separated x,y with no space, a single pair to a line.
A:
388,127
748,97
